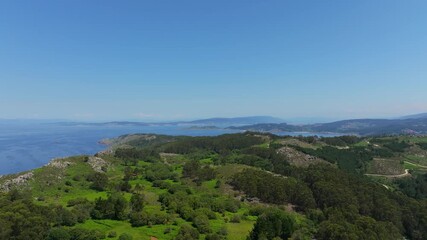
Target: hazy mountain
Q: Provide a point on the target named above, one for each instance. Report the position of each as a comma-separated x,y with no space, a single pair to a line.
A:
271,127
415,116
363,127
216,122
375,126
412,124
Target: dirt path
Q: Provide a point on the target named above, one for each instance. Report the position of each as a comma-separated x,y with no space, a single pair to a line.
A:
390,176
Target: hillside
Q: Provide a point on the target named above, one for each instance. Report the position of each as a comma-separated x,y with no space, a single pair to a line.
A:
235,186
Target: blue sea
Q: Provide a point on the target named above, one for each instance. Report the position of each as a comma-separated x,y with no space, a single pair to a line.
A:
24,146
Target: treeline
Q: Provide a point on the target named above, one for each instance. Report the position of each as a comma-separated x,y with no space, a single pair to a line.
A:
354,159
347,200
422,145
341,141
275,189
130,156
348,159
218,144
397,146
394,144
415,187
345,206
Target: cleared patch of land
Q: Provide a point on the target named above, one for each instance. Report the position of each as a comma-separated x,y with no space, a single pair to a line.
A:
381,166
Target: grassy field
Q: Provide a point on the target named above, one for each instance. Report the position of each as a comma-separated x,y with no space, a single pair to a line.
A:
239,231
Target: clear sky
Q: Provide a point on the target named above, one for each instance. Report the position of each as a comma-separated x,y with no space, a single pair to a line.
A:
164,60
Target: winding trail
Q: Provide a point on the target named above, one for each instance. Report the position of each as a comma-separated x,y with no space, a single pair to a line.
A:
390,176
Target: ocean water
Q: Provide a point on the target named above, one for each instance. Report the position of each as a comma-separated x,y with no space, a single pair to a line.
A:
24,146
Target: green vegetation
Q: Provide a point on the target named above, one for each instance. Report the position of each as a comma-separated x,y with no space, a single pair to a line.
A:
236,186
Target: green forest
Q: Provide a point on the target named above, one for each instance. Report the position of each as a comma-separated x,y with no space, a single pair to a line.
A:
233,186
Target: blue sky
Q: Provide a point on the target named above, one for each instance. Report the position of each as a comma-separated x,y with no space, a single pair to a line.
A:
164,60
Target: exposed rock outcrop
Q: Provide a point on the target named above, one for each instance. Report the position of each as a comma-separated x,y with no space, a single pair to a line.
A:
19,181
298,158
59,163
98,164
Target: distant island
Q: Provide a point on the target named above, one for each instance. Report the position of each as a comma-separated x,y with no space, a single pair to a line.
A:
412,124
223,122
202,127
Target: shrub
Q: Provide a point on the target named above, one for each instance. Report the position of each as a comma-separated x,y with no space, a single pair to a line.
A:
125,236
58,234
213,236
99,181
112,234
187,232
77,201
235,218
201,222
206,211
